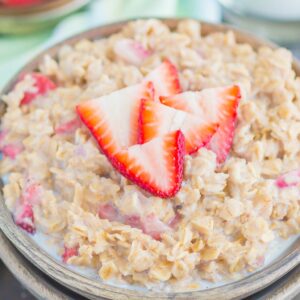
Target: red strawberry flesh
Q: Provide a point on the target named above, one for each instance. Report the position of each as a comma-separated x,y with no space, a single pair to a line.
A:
134,221
156,166
69,252
11,150
219,105
165,80
153,226
157,119
289,179
109,212
42,84
24,217
68,127
113,119
131,51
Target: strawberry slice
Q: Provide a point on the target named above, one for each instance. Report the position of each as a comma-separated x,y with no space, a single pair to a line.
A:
157,119
288,179
42,85
113,119
131,51
69,252
156,166
165,80
24,217
218,105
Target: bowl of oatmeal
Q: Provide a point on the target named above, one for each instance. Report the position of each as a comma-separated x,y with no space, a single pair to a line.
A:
155,159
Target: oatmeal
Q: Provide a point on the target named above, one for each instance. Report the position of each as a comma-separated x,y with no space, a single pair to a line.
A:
229,206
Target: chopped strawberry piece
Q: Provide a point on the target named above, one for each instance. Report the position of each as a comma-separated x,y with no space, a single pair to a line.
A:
157,119
218,105
174,221
69,252
289,179
11,150
133,221
113,119
131,51
68,127
165,80
24,217
108,211
156,166
42,84
153,226
32,193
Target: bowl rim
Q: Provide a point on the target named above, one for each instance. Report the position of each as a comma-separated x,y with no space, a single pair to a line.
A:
93,288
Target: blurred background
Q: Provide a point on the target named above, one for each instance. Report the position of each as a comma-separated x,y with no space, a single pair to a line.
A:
29,26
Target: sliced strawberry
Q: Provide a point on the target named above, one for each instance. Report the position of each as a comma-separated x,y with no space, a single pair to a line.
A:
157,119
24,217
218,105
109,212
113,119
153,226
165,80
11,150
156,166
69,252
131,51
42,84
289,179
68,127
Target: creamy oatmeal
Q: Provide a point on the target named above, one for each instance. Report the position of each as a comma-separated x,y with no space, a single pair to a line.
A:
225,214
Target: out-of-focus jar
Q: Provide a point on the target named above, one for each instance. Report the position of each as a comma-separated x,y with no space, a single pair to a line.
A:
20,16
278,20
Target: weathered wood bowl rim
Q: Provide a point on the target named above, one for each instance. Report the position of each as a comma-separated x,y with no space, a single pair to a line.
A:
93,289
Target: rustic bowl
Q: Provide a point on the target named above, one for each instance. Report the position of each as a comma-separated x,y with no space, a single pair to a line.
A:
93,288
